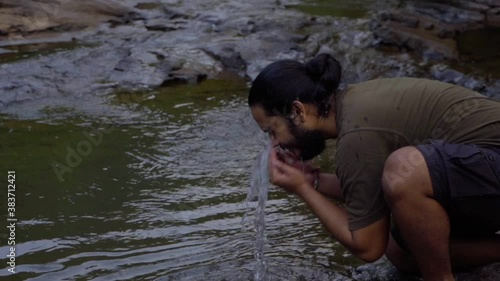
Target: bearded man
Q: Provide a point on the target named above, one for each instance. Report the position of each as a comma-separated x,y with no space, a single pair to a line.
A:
420,153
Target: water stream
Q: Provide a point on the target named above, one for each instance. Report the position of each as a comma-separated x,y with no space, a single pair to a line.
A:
259,189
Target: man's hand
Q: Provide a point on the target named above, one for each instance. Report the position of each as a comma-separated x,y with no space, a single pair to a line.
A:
311,172
289,177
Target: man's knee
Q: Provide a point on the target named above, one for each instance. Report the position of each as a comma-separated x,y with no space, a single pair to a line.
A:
403,169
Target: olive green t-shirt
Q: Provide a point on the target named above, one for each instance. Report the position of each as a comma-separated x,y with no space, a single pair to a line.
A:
377,117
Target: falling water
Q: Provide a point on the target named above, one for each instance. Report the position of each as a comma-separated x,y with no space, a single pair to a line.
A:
259,188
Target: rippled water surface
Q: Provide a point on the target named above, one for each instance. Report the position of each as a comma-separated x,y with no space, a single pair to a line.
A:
160,197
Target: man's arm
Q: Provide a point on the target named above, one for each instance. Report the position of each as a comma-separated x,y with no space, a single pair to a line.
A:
329,186
368,243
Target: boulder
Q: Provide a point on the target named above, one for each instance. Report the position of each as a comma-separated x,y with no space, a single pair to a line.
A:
25,17
493,18
492,3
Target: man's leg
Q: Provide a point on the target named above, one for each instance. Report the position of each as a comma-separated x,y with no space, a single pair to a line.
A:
422,221
464,254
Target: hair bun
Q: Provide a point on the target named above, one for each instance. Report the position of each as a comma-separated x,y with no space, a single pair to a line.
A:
325,69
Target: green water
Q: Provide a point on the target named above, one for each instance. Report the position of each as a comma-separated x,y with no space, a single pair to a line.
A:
479,52
27,51
159,197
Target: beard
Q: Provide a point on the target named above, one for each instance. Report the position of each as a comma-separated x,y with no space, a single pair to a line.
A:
310,143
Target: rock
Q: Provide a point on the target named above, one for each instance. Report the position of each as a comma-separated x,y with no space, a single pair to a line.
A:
25,17
418,39
228,56
239,26
161,25
5,51
486,273
473,6
444,74
492,3
494,11
473,84
449,13
493,20
15,92
357,39
406,19
173,14
190,65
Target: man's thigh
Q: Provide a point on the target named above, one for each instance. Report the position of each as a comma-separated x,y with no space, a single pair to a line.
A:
466,182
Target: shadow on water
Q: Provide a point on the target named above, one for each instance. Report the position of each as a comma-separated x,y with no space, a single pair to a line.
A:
479,52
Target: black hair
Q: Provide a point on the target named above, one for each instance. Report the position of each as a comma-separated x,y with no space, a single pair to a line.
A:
281,83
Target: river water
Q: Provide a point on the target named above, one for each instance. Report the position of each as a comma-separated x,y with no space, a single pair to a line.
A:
160,197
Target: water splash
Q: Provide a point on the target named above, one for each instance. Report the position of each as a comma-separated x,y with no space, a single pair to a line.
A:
258,190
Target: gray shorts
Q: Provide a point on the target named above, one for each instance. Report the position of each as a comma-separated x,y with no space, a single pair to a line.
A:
466,182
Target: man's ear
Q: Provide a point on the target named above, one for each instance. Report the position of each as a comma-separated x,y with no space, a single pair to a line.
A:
298,110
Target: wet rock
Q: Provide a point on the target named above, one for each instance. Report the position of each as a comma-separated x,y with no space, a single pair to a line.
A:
228,56
25,17
161,25
5,51
492,3
421,39
189,65
473,6
493,18
486,273
449,13
358,39
240,26
15,92
444,74
381,270
140,68
473,84
430,27
173,14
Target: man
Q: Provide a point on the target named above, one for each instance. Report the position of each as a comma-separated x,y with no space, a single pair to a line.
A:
423,152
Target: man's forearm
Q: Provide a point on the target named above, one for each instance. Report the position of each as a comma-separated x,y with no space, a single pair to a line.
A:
329,186
334,218
368,243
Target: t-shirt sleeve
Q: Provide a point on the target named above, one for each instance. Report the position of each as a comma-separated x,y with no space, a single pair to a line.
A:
360,160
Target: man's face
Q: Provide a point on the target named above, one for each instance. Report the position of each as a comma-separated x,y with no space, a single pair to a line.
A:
304,143
309,143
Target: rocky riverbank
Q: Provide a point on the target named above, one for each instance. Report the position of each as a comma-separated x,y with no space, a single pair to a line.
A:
431,27
150,45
